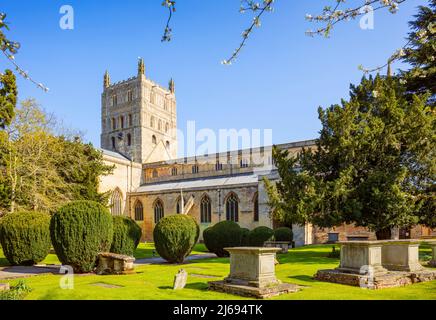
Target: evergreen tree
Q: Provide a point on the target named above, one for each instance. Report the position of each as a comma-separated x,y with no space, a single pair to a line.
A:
373,164
421,53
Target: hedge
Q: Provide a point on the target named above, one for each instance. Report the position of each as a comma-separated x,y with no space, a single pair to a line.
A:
127,234
222,235
259,235
283,234
175,236
25,237
79,231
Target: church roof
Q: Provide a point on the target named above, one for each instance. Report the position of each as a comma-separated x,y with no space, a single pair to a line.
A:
201,183
114,154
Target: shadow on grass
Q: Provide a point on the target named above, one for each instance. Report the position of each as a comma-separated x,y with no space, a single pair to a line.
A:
304,278
202,286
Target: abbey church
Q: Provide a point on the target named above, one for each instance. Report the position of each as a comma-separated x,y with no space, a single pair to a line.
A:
139,137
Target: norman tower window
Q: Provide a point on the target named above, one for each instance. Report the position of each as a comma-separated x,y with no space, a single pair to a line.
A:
114,124
129,96
232,208
205,210
167,127
130,120
122,122
139,211
152,121
167,144
114,100
153,139
158,211
129,139
195,169
159,125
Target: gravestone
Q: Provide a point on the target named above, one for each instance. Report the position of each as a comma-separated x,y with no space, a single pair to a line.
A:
252,274
180,279
112,263
401,255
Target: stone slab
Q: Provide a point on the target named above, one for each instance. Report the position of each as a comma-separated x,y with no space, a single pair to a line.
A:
390,279
359,257
401,255
252,266
4,286
253,292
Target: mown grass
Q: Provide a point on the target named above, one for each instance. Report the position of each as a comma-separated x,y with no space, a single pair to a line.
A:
155,281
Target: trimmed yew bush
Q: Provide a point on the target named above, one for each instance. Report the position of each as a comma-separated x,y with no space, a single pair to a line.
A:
127,234
25,237
175,236
222,235
79,231
283,234
259,235
244,237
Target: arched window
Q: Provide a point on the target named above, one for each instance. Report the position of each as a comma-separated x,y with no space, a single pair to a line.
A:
114,124
218,166
113,142
116,204
205,210
130,120
167,127
256,207
139,211
244,163
129,95
174,171
179,205
195,169
153,139
158,211
152,121
167,144
122,122
159,125
155,174
129,139
232,210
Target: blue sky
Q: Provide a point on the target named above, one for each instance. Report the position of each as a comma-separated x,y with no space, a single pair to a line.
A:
278,82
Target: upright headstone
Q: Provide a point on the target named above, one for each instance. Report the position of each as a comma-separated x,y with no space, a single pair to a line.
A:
180,279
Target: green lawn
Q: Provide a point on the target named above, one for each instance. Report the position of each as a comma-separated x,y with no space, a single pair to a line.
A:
144,250
155,281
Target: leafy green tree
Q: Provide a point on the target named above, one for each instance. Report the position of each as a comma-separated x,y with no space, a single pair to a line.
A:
373,164
421,78
8,98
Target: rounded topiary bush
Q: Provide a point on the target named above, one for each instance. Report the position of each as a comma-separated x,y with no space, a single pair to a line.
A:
222,235
259,235
175,236
25,237
79,231
283,234
244,237
127,234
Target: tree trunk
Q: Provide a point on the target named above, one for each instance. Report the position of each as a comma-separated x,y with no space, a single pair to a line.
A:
383,234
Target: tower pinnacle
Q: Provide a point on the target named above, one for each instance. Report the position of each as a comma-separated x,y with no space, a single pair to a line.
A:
172,86
106,80
141,67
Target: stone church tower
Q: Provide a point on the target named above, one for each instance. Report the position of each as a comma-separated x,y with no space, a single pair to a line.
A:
139,118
